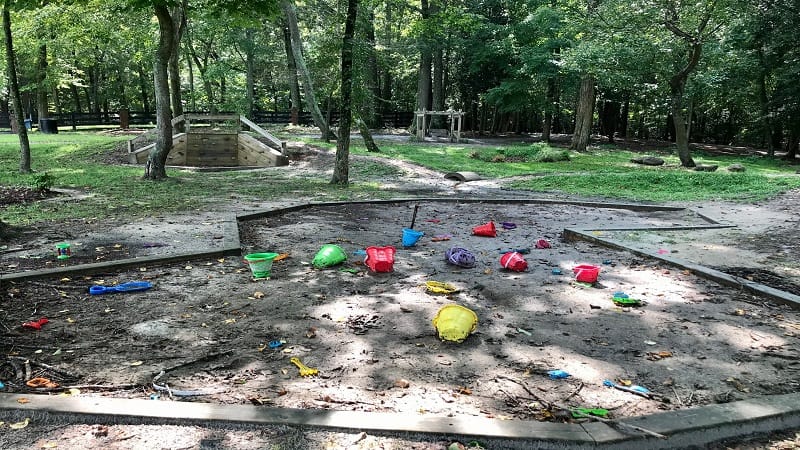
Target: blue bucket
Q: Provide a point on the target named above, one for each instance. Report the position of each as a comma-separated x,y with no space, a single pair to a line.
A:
410,237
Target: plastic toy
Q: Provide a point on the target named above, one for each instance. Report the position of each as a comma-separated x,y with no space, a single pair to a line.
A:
514,261
455,322
380,259
131,286
410,237
305,371
488,229
586,273
329,255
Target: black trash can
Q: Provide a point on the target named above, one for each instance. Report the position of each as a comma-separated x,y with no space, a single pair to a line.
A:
49,126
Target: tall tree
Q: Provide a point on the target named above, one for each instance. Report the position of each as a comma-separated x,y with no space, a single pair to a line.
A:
297,52
16,101
178,15
342,167
155,167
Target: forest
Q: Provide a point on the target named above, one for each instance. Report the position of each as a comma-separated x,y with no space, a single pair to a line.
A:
707,71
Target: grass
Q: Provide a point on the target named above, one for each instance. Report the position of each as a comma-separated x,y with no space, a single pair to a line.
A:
75,160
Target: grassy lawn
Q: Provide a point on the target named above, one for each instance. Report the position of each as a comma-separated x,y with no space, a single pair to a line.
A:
75,160
608,172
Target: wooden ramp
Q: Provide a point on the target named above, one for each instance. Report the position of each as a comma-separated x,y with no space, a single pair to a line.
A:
215,141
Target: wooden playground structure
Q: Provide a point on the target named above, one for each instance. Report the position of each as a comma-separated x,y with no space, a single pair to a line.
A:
214,140
423,123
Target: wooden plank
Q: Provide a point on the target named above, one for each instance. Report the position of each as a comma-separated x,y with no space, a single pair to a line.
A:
276,143
257,150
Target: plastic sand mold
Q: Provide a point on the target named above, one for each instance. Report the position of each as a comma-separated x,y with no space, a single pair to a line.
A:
514,261
380,259
131,286
305,371
558,374
626,301
437,287
35,324
488,229
460,257
329,255
577,413
455,322
586,273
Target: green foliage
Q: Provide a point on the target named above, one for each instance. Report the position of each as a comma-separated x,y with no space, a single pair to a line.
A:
42,182
538,152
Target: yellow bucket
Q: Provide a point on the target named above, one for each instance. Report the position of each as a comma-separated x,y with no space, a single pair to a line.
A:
437,287
455,323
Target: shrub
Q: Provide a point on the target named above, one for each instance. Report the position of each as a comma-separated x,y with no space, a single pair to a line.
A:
42,182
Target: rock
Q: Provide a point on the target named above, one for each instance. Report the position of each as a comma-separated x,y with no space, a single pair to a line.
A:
706,167
736,168
648,161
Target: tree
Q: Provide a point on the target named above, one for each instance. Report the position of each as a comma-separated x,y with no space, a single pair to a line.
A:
340,171
16,101
155,167
302,68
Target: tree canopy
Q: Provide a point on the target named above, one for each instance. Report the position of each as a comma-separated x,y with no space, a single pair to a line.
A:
720,71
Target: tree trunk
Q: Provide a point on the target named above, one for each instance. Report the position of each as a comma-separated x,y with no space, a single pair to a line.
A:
178,15
143,90
551,99
291,72
367,136
424,80
155,168
341,170
371,108
250,71
16,101
297,51
42,106
583,115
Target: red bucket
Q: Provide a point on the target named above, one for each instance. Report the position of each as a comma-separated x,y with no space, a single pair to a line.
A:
380,259
486,229
513,261
586,273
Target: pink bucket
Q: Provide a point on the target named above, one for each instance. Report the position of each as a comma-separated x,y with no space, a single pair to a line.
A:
586,273
380,259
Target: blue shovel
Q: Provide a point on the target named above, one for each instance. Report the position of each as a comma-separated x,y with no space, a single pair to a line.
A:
131,286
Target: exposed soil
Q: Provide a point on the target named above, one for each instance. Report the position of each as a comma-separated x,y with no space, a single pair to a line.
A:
208,325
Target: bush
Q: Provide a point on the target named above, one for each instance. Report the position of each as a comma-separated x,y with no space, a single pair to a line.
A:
42,182
552,155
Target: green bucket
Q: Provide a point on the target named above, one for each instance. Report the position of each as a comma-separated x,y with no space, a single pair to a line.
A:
260,263
329,255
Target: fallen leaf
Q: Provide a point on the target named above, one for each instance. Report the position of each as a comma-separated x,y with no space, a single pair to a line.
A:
464,390
230,321
136,363
23,400
259,294
70,320
624,382
221,260
20,425
117,245
65,280
402,383
50,444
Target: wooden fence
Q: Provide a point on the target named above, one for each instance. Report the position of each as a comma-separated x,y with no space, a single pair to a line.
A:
397,119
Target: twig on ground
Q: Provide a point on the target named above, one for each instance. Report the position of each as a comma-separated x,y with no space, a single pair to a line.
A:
197,361
61,372
613,422
678,397
574,393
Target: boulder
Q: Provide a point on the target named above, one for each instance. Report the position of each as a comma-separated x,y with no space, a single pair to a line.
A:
648,161
736,168
706,167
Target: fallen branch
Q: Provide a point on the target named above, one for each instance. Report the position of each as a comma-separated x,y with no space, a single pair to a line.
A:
614,422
